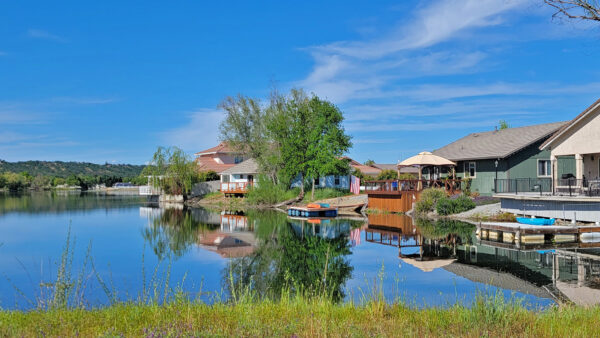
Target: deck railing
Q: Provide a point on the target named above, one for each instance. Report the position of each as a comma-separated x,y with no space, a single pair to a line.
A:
545,186
235,187
397,186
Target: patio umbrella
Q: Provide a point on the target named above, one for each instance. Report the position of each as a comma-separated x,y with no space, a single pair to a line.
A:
425,158
428,265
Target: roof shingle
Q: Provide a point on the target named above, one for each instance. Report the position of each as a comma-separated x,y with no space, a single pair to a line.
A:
496,144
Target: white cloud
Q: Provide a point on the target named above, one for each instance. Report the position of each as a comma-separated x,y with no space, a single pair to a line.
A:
83,100
41,34
201,131
351,70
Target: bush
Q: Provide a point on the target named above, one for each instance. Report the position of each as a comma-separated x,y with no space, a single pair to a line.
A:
428,200
447,206
387,174
462,204
325,193
267,192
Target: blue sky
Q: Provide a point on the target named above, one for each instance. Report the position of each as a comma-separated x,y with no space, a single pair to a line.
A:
109,81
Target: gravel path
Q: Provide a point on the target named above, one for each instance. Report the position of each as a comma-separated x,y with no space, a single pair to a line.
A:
482,210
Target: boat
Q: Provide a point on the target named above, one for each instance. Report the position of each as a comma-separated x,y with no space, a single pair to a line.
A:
536,221
312,210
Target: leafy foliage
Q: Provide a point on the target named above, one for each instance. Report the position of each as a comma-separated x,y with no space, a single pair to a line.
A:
269,192
429,199
64,169
387,174
174,172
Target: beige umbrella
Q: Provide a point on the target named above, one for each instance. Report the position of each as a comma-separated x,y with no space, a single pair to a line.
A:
428,265
425,158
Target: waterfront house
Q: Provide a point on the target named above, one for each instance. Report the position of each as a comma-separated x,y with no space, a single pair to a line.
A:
218,158
578,139
238,178
490,158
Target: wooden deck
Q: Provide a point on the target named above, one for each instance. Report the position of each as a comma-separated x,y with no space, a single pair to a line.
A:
399,195
235,188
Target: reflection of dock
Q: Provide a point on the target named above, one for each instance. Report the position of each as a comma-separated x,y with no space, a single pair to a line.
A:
231,222
524,236
228,245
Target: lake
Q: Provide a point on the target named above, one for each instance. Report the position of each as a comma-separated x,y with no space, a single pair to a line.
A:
127,248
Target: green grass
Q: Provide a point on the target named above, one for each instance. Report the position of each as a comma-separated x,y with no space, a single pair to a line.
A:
302,317
325,193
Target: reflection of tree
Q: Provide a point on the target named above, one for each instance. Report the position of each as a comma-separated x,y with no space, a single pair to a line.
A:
446,229
173,232
283,259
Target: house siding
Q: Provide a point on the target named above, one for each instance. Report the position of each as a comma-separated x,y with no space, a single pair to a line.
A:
327,182
522,164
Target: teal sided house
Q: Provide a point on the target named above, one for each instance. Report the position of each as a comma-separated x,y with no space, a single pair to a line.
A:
511,153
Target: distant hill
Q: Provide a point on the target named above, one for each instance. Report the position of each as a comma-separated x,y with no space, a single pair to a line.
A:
64,169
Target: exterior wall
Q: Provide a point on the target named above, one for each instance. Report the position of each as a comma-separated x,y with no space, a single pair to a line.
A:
584,139
591,166
327,182
485,173
227,158
523,164
568,210
566,165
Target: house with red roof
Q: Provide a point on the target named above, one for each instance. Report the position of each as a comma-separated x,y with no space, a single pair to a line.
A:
219,158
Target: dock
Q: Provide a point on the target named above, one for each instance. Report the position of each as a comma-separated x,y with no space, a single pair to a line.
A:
312,212
522,236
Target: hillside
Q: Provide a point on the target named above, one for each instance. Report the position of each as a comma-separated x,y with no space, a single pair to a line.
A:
64,169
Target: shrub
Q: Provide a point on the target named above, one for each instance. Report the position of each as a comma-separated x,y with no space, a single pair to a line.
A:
462,204
428,199
387,174
445,206
448,206
268,192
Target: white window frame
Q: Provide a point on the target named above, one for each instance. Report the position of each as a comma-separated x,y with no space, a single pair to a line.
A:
548,168
467,169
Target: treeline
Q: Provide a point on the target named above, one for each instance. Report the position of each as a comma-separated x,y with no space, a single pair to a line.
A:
67,169
24,180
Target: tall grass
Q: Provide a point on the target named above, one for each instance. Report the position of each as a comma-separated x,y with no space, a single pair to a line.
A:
325,193
163,309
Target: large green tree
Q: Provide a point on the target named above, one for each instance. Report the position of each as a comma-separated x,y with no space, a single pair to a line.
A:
295,136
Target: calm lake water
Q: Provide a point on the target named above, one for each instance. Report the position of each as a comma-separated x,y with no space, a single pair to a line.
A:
424,262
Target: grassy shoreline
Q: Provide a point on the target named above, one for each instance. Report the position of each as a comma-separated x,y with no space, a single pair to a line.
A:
301,317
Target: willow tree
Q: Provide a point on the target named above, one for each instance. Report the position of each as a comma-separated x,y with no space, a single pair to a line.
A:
174,171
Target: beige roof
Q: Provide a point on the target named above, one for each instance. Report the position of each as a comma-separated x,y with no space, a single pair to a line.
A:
249,166
386,166
425,158
497,143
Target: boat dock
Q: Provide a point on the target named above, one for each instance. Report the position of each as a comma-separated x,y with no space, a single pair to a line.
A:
520,236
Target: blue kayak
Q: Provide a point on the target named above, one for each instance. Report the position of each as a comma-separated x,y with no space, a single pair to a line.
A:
536,221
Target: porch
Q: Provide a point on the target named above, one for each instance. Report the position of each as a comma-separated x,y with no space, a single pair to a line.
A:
236,188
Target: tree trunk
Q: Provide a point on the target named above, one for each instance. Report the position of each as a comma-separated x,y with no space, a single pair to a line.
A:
302,185
312,193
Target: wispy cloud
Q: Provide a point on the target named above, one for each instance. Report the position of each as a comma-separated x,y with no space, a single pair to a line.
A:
83,100
351,70
42,34
200,132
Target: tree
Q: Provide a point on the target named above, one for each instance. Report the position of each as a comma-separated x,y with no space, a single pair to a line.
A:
387,174
177,173
296,136
369,163
502,124
576,9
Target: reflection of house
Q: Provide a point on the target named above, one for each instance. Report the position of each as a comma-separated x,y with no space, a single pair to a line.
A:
237,179
511,153
327,228
228,245
231,222
218,158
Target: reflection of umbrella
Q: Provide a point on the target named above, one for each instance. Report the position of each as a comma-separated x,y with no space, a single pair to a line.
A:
424,159
429,265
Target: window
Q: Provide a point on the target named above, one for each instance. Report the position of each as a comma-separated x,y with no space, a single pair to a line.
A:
544,168
238,159
317,181
470,169
337,180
